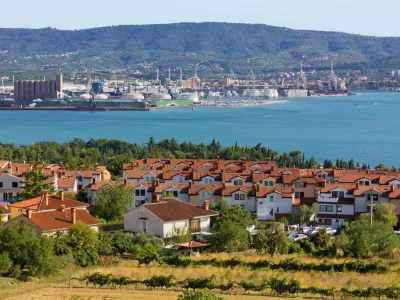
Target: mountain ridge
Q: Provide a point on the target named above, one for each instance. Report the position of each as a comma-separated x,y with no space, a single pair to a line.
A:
220,46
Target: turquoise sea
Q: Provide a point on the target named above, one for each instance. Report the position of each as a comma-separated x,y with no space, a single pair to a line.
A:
364,127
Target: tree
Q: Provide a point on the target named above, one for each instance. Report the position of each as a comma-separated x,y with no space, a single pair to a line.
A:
122,241
145,254
179,235
83,241
272,241
26,251
364,240
35,184
142,239
306,212
205,294
230,227
386,213
112,202
321,239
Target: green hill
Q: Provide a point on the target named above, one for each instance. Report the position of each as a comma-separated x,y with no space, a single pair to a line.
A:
219,46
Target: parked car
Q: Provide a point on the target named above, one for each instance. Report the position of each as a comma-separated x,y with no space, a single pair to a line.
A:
330,230
303,229
314,230
297,236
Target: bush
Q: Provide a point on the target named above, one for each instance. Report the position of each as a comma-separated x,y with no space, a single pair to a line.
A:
199,295
5,263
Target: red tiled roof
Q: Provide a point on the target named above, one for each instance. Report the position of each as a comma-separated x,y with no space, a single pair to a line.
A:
161,187
196,188
264,191
55,202
229,190
66,182
99,184
58,220
174,210
4,208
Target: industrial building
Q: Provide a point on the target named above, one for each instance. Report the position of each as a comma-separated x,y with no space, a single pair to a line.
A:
25,90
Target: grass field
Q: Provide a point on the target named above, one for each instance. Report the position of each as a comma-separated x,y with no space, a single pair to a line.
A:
61,287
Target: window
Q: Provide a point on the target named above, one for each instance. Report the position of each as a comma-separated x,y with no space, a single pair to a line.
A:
261,202
397,186
300,184
174,193
271,198
140,203
268,183
339,208
144,226
140,193
242,197
271,212
338,194
1,184
277,210
80,178
238,182
208,180
15,184
373,197
206,195
364,182
299,194
237,197
326,208
325,221
5,196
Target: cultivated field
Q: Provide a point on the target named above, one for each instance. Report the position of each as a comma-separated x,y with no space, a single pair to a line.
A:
64,286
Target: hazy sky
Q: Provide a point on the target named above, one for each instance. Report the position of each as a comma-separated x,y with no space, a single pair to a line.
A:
368,17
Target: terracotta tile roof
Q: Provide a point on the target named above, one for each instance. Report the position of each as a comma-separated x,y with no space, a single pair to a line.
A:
171,174
134,185
162,187
216,189
264,191
58,220
356,176
229,190
66,182
229,177
55,202
3,163
363,189
99,184
197,176
140,174
350,187
174,210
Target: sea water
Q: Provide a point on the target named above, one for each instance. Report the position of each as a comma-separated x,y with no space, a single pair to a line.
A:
364,127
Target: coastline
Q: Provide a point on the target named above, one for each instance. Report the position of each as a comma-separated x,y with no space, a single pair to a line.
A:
227,106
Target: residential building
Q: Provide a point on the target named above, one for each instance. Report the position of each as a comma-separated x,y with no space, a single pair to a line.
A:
163,218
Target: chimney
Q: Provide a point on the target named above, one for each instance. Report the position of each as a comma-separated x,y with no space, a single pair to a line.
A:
324,183
62,207
29,212
61,195
73,215
357,186
207,205
392,188
367,170
272,168
156,198
46,197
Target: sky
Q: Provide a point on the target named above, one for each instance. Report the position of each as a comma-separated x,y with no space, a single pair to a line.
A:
367,17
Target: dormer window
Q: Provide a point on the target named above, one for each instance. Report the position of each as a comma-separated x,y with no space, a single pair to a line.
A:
300,184
269,183
337,194
373,197
208,180
364,182
240,197
238,182
205,195
271,198
80,178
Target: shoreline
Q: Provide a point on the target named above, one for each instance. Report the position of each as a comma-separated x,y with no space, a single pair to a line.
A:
228,106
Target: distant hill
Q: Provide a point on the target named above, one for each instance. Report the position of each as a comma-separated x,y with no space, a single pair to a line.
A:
219,46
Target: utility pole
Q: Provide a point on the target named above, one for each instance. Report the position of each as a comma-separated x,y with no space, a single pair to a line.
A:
371,213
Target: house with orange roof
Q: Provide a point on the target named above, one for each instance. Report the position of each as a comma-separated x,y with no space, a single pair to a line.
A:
336,204
199,193
68,184
274,203
241,195
164,217
50,222
45,202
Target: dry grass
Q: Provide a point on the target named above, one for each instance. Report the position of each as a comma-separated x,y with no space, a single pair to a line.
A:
56,287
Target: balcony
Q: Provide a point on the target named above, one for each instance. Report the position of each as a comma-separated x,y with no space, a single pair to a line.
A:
326,198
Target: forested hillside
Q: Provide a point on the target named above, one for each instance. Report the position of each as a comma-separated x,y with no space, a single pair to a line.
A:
219,46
